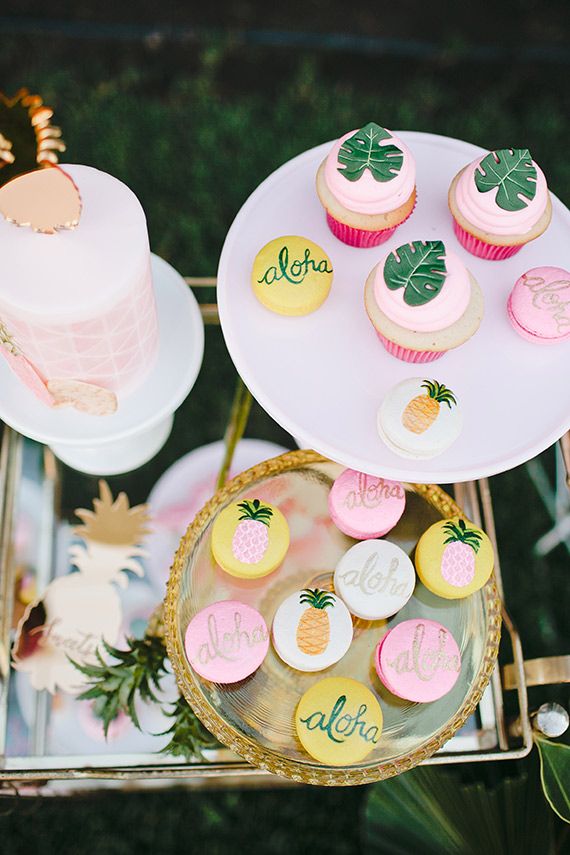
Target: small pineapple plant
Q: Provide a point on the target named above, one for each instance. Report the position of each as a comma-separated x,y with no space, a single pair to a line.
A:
422,411
251,537
458,560
313,630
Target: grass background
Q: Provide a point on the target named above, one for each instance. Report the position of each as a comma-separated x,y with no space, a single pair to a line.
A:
193,125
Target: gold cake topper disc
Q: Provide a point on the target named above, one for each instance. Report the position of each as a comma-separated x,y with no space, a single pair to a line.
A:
46,200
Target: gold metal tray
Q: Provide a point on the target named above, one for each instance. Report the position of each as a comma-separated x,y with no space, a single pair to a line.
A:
255,717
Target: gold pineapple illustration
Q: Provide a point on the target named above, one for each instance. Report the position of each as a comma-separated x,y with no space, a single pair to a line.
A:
422,411
313,630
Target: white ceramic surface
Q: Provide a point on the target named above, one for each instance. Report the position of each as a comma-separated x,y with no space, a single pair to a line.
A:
322,377
173,375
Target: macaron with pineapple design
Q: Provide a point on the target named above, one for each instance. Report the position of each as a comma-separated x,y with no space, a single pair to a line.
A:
454,558
250,538
419,418
312,629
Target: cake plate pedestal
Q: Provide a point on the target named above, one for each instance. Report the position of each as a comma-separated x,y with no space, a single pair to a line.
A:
130,437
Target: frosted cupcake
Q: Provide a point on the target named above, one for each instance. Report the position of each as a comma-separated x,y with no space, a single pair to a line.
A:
367,186
422,301
499,202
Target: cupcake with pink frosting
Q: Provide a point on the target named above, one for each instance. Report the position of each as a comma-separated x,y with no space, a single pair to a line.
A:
499,202
367,186
422,301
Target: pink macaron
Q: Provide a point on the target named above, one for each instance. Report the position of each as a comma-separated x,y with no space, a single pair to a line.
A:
365,506
539,305
418,660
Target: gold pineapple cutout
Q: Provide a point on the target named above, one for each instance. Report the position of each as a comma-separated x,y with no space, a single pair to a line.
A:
422,411
313,630
28,138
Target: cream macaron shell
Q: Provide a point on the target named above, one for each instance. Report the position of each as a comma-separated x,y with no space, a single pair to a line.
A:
312,630
375,578
413,427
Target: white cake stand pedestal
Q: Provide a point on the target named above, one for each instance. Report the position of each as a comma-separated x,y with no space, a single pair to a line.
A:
110,445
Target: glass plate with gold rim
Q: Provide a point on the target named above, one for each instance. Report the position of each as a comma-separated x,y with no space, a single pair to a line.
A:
255,717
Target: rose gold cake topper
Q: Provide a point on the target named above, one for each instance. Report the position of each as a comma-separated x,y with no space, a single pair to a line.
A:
46,200
78,610
30,110
85,397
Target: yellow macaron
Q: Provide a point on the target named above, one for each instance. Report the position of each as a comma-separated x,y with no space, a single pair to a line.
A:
250,538
291,275
454,558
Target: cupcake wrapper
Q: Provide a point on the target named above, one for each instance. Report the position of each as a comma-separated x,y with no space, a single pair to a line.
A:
407,355
481,249
358,237
362,237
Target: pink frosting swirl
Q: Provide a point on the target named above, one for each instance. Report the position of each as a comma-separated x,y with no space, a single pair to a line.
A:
481,210
442,311
368,196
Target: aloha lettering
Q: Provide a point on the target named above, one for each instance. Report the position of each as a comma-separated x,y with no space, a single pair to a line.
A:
84,643
371,492
371,580
425,663
294,272
546,297
339,727
228,645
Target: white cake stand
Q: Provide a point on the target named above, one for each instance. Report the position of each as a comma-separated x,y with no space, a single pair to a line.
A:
323,376
109,445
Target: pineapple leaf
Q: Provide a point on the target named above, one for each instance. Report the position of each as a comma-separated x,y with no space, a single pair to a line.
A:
461,534
419,268
512,173
439,392
317,599
189,737
254,510
363,150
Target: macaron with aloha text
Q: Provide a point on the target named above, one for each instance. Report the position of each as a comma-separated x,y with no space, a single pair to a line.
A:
375,579
365,506
291,275
418,660
226,641
339,721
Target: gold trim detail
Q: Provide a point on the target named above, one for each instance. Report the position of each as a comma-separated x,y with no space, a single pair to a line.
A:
248,749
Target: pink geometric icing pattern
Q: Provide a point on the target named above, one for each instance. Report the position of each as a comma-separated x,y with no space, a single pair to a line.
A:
114,351
458,564
250,541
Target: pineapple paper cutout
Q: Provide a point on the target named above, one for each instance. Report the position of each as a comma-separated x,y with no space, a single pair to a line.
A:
313,630
458,561
81,608
250,538
423,410
454,558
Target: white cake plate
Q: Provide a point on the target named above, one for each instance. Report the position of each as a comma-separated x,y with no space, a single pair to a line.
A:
109,445
322,377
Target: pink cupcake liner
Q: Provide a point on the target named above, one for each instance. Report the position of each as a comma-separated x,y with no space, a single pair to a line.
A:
358,237
363,238
481,249
407,355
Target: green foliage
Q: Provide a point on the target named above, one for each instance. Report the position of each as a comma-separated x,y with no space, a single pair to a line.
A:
114,686
430,811
419,268
555,774
363,151
189,737
511,171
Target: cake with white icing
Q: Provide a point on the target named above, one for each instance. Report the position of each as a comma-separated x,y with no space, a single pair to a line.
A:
78,319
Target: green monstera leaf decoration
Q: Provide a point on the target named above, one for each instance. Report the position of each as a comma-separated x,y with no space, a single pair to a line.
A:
419,268
512,172
363,151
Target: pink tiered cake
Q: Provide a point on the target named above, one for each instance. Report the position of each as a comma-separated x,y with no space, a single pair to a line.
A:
77,309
